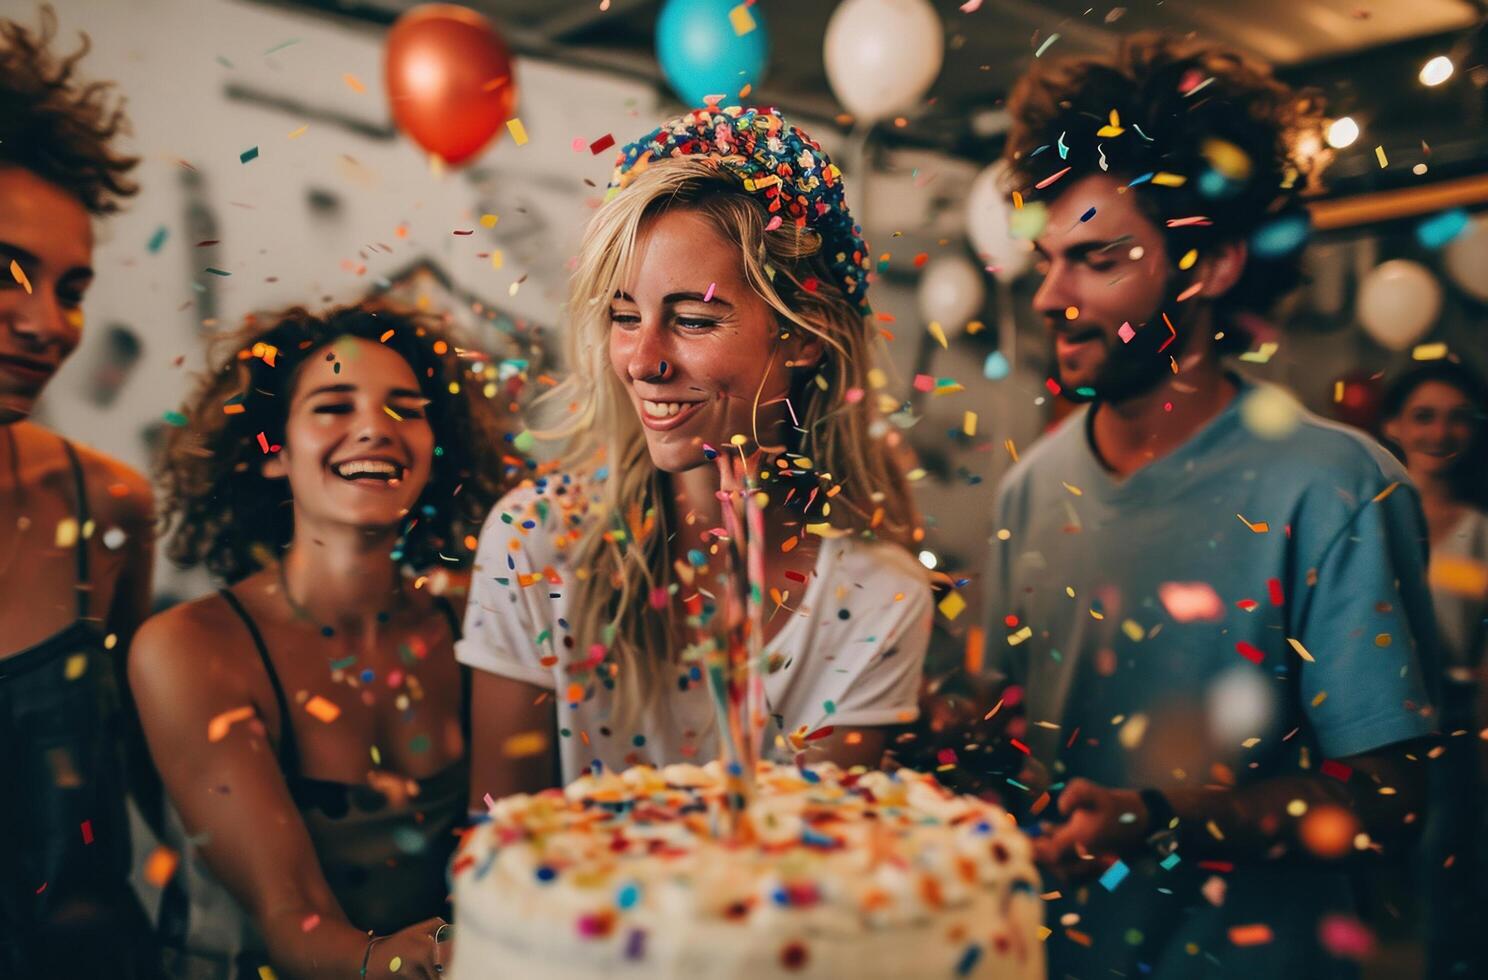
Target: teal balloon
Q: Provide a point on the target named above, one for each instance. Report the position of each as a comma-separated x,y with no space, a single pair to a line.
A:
702,54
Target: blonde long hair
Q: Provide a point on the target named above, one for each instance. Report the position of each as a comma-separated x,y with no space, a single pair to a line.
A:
619,552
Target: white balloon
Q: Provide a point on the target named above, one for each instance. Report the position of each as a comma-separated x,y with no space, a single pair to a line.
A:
951,291
1398,303
882,55
987,214
1466,259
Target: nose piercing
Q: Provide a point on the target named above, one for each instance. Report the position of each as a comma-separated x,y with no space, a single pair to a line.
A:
662,370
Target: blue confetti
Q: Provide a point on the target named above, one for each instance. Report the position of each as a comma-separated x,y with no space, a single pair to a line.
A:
157,240
1114,875
1439,229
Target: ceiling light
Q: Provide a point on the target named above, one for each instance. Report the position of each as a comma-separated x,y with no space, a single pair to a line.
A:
1342,132
1436,71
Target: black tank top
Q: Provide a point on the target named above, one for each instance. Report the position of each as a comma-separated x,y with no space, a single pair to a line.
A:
385,863
66,906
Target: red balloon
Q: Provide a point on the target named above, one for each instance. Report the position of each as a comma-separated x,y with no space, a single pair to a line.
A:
449,79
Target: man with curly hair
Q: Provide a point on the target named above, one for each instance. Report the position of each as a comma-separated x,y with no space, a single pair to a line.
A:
75,541
1209,603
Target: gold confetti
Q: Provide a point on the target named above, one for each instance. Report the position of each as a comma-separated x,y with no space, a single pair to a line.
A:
1379,152
938,333
19,275
524,745
1073,489
161,865
76,665
1259,527
354,83
518,131
969,423
952,605
741,19
67,532
1429,352
489,220
299,132
1301,650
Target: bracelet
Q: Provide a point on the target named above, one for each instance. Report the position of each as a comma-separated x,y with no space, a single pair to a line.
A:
367,953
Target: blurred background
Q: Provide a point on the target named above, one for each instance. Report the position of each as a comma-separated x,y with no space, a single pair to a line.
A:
274,172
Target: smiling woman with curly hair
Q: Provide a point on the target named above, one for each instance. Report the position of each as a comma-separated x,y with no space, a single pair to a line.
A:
324,460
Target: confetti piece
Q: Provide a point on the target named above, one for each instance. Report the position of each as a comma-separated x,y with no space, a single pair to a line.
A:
489,220
1385,492
524,745
19,275
67,532
1249,652
1073,489
1113,128
1259,527
1188,602
1126,333
76,665
1379,154
248,155
1050,179
217,272
969,424
161,866
1045,46
952,605
517,130
354,83
1164,179
1257,934
87,830
1114,875
322,710
1300,650
1189,258
603,143
1459,575
266,972
300,132
309,923
938,333
157,240
1428,352
741,19
708,296
219,726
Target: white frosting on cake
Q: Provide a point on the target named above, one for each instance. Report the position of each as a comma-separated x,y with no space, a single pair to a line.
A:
860,874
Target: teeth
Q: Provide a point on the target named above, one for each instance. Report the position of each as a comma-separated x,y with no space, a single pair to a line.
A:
661,410
376,467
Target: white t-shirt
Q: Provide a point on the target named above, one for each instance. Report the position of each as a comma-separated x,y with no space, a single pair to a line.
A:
851,654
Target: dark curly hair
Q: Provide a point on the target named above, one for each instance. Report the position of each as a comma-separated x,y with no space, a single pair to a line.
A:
56,126
229,517
1186,109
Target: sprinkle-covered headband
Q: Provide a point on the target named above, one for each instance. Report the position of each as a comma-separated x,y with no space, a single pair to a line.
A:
779,164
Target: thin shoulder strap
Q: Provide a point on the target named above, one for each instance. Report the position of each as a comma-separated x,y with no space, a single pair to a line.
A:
83,588
448,608
288,753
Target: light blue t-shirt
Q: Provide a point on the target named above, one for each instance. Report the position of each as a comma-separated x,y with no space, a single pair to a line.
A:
1244,607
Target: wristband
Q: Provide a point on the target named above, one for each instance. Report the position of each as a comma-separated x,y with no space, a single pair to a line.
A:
367,953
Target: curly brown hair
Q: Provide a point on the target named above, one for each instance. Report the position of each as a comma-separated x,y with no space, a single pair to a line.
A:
1186,110
229,517
56,126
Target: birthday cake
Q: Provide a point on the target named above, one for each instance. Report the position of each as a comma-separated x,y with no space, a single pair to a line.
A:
826,874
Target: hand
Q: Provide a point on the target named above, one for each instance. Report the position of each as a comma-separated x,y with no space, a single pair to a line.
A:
1101,825
420,956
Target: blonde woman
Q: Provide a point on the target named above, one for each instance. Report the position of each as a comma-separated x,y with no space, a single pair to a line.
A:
718,308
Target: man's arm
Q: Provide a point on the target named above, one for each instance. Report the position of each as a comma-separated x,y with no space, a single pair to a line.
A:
1380,795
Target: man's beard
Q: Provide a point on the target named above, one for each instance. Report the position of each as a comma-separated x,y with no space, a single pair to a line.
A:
1136,367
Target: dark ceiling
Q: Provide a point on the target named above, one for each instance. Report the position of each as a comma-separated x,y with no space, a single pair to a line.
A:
1364,54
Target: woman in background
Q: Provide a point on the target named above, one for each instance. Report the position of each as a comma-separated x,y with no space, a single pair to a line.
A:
1436,415
309,720
717,314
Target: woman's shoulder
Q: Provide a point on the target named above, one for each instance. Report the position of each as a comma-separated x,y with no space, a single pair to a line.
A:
881,559
879,568
204,641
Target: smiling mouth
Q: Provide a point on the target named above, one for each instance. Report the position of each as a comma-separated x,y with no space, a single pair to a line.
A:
660,416
372,470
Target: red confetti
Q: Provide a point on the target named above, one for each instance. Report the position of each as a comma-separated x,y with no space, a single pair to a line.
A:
1249,652
1053,386
793,956
820,733
87,831
1274,587
603,143
1338,770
